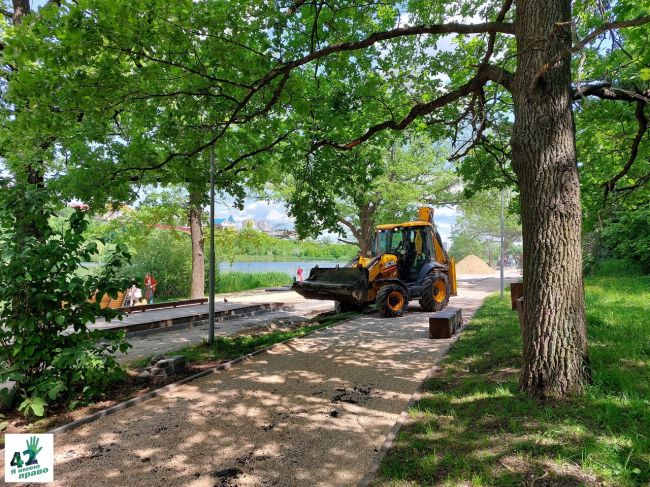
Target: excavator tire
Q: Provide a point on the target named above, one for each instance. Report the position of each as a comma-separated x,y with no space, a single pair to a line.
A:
392,300
435,292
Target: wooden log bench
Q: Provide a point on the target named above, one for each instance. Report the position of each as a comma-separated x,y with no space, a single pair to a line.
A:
443,324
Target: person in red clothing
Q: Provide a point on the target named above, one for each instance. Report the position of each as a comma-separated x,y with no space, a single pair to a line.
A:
150,287
299,272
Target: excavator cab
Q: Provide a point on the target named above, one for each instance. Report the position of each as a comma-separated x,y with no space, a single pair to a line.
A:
408,261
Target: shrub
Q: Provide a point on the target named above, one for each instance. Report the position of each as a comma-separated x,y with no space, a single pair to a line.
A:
168,257
227,282
629,236
45,345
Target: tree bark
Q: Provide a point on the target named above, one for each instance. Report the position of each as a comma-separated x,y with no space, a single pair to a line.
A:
366,228
544,158
195,214
21,8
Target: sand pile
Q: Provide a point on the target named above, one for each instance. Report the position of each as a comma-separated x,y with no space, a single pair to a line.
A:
473,265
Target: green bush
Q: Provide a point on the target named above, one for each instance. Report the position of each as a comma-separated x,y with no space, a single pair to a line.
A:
228,282
628,236
168,257
45,345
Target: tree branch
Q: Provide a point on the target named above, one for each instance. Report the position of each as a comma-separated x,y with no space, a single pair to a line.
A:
485,74
608,92
642,121
621,24
355,231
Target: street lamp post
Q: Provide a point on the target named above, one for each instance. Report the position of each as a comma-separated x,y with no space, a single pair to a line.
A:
502,244
211,257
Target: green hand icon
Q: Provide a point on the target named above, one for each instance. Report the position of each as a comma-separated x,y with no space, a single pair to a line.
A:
32,450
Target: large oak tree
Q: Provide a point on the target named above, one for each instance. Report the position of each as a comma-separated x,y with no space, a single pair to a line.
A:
127,88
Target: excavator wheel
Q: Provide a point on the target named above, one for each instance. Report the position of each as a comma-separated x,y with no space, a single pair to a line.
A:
392,301
435,292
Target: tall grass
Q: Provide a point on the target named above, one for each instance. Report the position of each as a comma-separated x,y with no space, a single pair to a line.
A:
228,282
474,427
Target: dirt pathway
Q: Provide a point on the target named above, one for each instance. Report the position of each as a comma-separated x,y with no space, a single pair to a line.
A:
311,413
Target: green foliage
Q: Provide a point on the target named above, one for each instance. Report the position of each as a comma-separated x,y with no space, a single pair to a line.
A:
353,192
629,236
228,282
167,255
45,344
474,426
231,244
478,227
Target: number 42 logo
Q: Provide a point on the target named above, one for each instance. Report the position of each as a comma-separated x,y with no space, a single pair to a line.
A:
31,452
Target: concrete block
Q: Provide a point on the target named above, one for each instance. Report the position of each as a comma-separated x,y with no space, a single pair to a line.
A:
443,324
172,365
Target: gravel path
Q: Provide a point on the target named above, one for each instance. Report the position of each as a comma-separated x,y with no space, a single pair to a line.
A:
170,340
309,413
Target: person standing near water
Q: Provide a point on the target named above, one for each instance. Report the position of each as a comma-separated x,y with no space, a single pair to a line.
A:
150,287
299,272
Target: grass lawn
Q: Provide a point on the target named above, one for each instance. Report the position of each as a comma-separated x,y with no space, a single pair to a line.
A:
229,282
473,427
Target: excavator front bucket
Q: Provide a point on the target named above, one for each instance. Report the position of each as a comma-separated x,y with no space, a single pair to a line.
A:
347,284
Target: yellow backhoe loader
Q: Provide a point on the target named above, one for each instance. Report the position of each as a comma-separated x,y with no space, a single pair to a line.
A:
408,262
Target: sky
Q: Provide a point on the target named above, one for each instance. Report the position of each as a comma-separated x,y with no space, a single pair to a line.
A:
275,214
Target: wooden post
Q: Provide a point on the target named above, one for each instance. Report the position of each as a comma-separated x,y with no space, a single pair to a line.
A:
516,292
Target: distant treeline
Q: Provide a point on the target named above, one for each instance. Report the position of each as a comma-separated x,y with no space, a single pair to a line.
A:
232,243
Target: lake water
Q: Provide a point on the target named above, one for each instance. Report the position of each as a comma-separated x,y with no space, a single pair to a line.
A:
288,267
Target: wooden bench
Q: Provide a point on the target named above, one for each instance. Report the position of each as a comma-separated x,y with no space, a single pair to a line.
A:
443,324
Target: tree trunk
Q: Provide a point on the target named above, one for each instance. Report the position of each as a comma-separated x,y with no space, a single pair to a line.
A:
21,8
366,228
544,158
365,232
195,214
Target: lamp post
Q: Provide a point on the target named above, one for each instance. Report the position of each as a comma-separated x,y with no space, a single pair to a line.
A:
502,245
211,257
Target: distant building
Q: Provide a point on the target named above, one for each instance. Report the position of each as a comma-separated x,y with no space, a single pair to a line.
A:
224,222
112,214
249,223
263,226
79,205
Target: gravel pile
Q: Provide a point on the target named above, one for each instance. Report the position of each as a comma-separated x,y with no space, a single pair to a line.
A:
473,265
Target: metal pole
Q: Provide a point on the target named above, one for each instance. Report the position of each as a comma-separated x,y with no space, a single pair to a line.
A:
502,245
211,257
